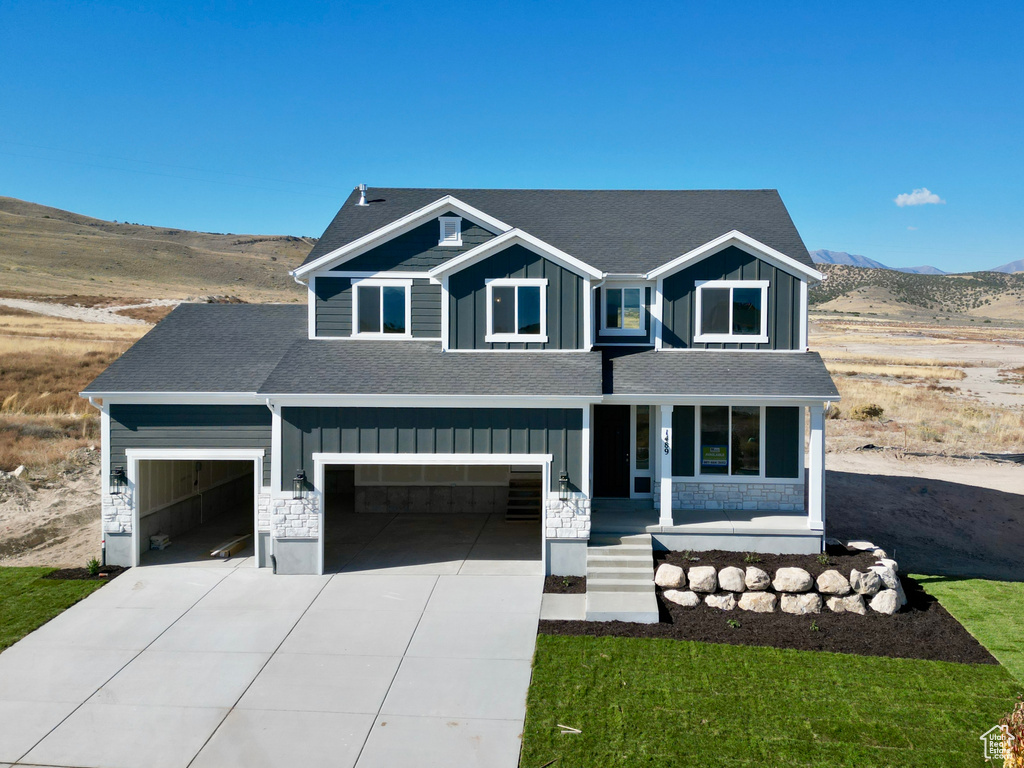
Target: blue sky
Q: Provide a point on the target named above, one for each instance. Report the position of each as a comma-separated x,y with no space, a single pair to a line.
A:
250,117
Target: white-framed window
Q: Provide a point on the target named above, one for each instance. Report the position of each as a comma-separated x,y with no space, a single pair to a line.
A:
517,310
381,309
622,310
730,441
732,310
451,230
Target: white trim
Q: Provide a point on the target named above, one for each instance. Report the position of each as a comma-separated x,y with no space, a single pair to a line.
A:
657,312
373,282
541,283
728,477
176,398
588,317
515,237
318,484
816,470
634,471
434,459
400,226
445,318
729,337
605,330
705,399
386,275
587,457
456,242
803,316
311,311
745,243
275,447
665,453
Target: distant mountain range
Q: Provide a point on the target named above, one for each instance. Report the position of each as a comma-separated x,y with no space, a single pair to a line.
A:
853,260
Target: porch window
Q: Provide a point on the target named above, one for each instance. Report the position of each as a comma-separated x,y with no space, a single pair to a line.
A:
732,310
623,311
730,440
381,308
516,310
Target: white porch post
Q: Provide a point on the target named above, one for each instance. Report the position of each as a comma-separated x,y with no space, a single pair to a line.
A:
816,470
665,451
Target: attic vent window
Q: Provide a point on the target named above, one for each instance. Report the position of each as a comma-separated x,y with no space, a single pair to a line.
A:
451,230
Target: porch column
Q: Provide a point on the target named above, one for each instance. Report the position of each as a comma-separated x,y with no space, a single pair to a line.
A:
816,470
665,451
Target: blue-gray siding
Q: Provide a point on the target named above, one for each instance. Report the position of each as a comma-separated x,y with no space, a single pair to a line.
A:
558,431
417,250
334,307
189,426
467,325
732,264
604,338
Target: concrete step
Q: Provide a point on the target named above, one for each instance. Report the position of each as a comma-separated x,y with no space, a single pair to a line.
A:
622,550
618,585
629,564
633,574
620,579
635,539
622,606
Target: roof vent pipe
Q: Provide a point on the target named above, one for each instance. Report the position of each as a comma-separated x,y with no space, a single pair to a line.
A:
362,195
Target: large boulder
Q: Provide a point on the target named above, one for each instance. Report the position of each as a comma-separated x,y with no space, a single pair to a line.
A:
758,602
670,576
833,583
755,579
686,599
889,563
792,580
848,604
891,580
865,582
887,602
802,604
731,579
725,602
703,578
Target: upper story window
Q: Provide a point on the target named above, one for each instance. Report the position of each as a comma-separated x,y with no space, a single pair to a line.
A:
451,230
517,310
381,309
622,311
732,310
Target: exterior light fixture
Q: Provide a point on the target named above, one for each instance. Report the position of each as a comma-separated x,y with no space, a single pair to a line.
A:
563,487
118,481
298,484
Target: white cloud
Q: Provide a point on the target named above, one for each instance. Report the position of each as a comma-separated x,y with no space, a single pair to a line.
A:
922,196
912,229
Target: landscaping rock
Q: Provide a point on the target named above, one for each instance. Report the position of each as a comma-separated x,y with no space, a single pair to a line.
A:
758,602
887,575
792,580
833,583
802,604
686,599
865,582
755,579
860,546
724,602
731,579
849,604
889,563
703,578
887,602
880,554
670,576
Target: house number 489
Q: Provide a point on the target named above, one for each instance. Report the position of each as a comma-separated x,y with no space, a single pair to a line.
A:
665,441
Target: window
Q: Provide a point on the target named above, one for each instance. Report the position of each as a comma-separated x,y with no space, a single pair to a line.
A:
451,230
622,311
516,310
732,310
730,440
381,308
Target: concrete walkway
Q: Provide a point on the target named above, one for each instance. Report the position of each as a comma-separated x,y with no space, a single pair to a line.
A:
174,666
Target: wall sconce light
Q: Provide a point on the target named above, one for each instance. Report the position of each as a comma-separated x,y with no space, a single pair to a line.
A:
563,487
299,484
118,481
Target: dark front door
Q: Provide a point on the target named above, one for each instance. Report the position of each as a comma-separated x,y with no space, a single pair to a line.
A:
611,451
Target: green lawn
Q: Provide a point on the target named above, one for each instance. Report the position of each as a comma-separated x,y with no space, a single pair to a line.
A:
992,611
27,600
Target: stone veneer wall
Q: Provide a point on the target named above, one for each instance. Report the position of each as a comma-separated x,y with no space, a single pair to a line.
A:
117,512
709,495
567,519
295,518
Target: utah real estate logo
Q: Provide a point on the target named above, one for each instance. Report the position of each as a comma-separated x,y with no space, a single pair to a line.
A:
997,742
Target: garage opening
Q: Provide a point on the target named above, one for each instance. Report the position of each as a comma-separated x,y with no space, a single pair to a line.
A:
195,511
433,518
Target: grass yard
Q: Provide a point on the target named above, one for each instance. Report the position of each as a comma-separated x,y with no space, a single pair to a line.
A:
28,601
641,702
992,611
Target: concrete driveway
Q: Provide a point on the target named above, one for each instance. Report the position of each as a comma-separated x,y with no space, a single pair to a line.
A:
200,666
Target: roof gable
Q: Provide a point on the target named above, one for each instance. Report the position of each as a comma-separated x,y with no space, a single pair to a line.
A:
744,243
514,237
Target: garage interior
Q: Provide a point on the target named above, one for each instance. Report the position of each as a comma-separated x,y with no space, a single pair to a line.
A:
198,505
431,517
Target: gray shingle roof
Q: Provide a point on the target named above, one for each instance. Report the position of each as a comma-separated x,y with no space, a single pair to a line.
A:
717,372
207,348
619,231
420,368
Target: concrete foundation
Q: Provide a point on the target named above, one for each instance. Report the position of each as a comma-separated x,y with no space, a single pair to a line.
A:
297,556
566,557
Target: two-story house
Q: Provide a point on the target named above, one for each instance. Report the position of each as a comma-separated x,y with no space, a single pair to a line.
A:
582,361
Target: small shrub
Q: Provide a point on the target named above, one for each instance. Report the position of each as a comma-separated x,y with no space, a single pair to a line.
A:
823,559
834,412
733,623
866,412
93,566
750,557
690,557
814,626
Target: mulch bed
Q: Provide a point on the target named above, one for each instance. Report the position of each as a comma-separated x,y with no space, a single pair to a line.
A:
565,585
922,629
106,573
839,559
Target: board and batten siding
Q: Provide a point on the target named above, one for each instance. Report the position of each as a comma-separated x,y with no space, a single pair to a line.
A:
189,426
416,250
679,300
558,431
334,307
467,320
